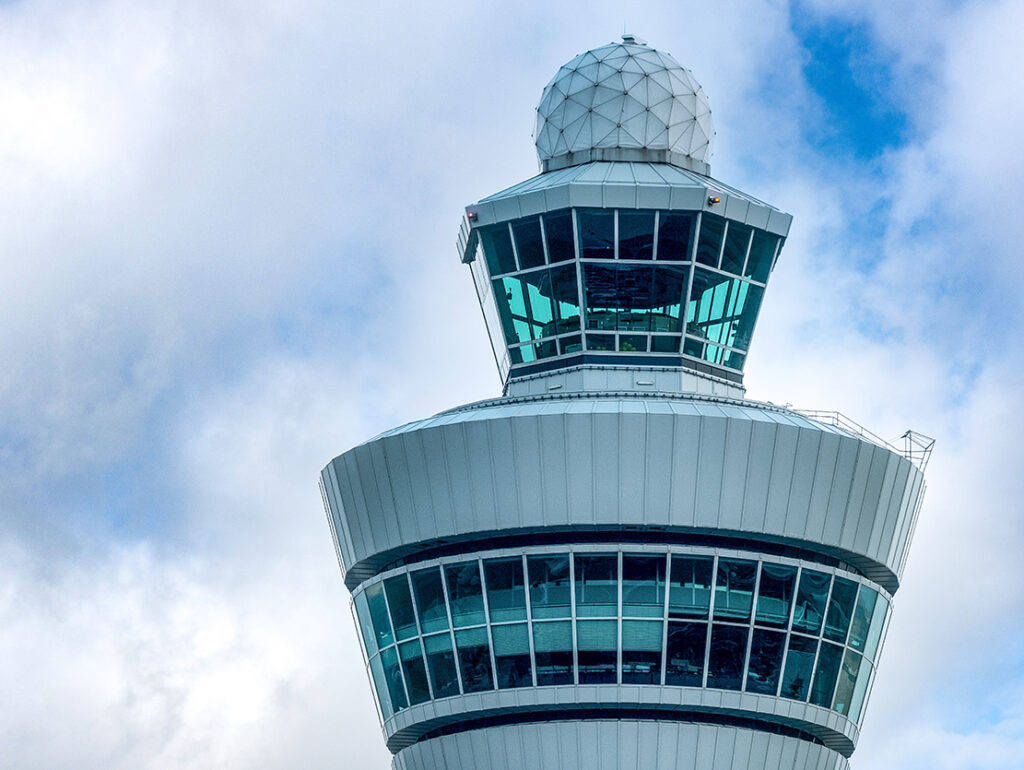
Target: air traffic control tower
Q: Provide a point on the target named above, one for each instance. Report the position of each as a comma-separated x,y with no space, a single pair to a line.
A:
622,563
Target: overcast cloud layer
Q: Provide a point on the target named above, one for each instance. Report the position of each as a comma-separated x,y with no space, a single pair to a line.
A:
227,255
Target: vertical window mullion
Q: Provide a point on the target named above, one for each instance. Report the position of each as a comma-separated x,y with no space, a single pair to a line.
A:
615,232
515,250
529,621
750,628
451,627
746,254
618,625
419,627
711,616
488,623
721,248
664,618
544,240
572,613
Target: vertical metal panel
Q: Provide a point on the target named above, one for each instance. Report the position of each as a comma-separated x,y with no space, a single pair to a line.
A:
551,435
658,452
783,460
709,469
737,454
606,453
632,449
480,466
759,471
858,487
455,447
706,739
529,472
872,496
506,502
683,493
886,522
840,496
406,456
580,465
821,486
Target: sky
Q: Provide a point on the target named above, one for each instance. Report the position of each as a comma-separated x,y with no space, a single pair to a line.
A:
227,255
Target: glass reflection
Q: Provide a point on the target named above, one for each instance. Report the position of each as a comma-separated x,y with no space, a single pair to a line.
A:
825,674
762,252
725,662
734,589
441,662
498,249
379,614
685,654
722,309
737,238
840,609
775,595
633,297
512,655
474,659
875,633
847,682
596,233
675,234
558,229
597,585
810,601
552,643
426,585
709,243
528,242
549,586
506,589
365,625
415,671
690,594
400,603
641,651
393,678
636,235
597,651
799,665
465,594
765,661
643,585
862,615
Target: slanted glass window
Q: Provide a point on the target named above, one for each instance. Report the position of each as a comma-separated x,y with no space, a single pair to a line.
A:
825,674
665,343
506,589
393,677
862,614
426,584
379,614
552,644
762,252
636,235
380,684
643,585
465,593
725,664
690,593
512,655
684,659
549,586
709,244
366,626
875,633
634,297
597,585
722,309
600,342
402,616
597,650
597,233
633,342
737,238
810,601
799,667
765,661
847,682
734,589
498,249
860,690
775,595
411,654
641,651
441,661
840,609
558,229
528,242
474,659
675,234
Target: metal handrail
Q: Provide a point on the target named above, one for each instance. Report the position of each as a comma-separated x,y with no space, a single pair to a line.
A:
917,447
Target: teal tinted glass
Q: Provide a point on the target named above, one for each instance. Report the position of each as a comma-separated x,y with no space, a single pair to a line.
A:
633,342
810,601
597,585
506,589
538,304
549,586
709,242
633,297
722,309
465,593
847,682
643,585
765,665
641,651
636,235
393,678
762,252
725,661
512,655
799,667
558,230
380,684
860,690
552,644
403,618
426,585
365,625
734,589
665,343
596,233
684,656
597,651
441,661
690,589
825,674
675,235
875,632
474,659
415,671
775,595
600,342
498,249
379,614
862,613
840,609
737,239
529,245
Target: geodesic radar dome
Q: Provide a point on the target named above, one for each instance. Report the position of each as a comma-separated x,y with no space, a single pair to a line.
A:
624,101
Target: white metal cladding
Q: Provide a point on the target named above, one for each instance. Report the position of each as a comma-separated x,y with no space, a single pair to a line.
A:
617,745
695,466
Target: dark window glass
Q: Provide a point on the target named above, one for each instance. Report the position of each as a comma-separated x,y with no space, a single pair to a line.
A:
675,233
506,589
860,690
762,252
709,244
636,235
549,586
641,651
597,650
528,242
380,684
571,344
415,672
441,661
825,674
402,615
875,633
810,601
366,625
775,595
474,659
464,591
722,309
597,585
512,655
634,297
685,655
498,248
692,347
847,682
840,609
862,613
393,677
734,589
765,661
690,592
379,614
600,342
426,584
558,229
799,666
633,343
546,349
737,238
643,586
725,663
552,643
597,233
665,343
